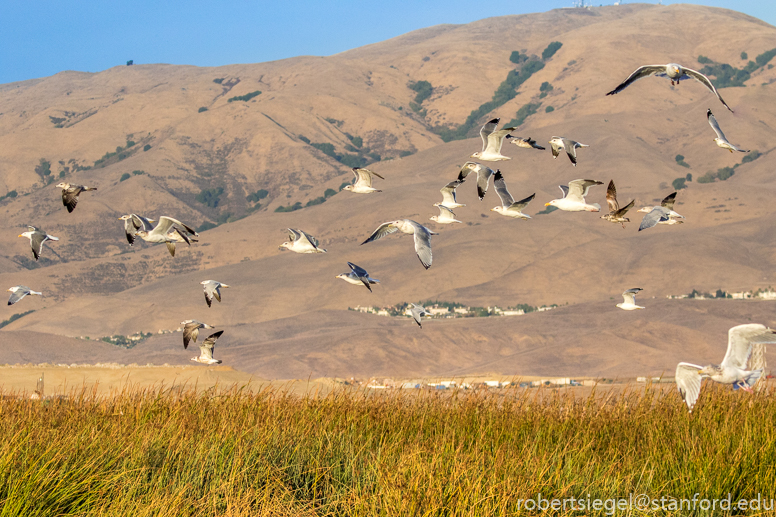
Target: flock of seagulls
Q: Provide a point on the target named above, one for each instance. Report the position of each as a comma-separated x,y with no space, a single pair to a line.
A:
744,361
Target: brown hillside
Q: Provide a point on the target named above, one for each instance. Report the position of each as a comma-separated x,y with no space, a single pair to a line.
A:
96,285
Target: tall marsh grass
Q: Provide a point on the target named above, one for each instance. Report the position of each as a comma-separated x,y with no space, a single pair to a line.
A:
351,453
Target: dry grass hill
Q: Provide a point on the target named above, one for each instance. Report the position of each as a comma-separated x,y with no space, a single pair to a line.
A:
199,144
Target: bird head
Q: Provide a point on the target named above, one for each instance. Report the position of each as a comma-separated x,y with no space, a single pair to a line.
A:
348,187
63,185
478,154
434,218
25,234
123,217
141,233
710,370
646,209
498,209
342,276
286,245
551,203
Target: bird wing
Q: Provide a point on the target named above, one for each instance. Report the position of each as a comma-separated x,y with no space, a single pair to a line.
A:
36,242
571,150
622,211
611,197
417,311
483,177
743,341
688,381
486,131
501,190
190,332
578,189
668,201
564,189
207,346
141,223
496,139
656,215
520,205
444,211
629,296
312,240
448,193
364,176
358,270
705,82
467,169
555,148
70,197
293,235
164,225
715,125
642,71
533,144
18,295
422,244
381,231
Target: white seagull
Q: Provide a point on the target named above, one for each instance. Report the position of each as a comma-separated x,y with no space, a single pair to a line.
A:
446,216
573,199
169,231
629,300
492,139
559,143
483,176
363,181
20,291
743,364
663,214
300,242
212,290
206,349
358,276
37,238
448,195
721,141
421,233
418,311
133,223
509,207
70,194
674,72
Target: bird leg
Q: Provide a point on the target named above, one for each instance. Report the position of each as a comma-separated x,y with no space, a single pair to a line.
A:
623,225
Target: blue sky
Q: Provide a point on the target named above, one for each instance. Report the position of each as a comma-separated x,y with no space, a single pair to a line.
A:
41,38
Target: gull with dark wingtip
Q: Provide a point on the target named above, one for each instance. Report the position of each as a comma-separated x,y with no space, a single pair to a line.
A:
721,140
629,299
358,276
525,143
483,176
492,140
363,181
509,207
421,234
301,242
20,291
573,199
418,311
206,349
673,71
37,238
448,195
191,330
133,223
169,231
212,290
446,216
558,143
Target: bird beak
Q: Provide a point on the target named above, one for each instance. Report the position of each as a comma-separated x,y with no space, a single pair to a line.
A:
546,204
20,235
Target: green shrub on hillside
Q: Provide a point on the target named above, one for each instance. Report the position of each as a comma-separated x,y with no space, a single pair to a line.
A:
210,197
551,49
246,97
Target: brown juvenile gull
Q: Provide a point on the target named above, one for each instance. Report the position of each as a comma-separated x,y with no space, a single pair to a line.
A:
20,291
191,330
446,216
301,242
616,214
492,140
70,194
206,349
418,311
448,195
721,141
169,231
358,276
570,146
573,199
483,176
742,366
674,72
629,299
37,238
363,182
212,290
133,223
525,143
421,233
509,207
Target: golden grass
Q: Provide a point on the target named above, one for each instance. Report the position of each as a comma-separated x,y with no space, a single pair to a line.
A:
238,453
